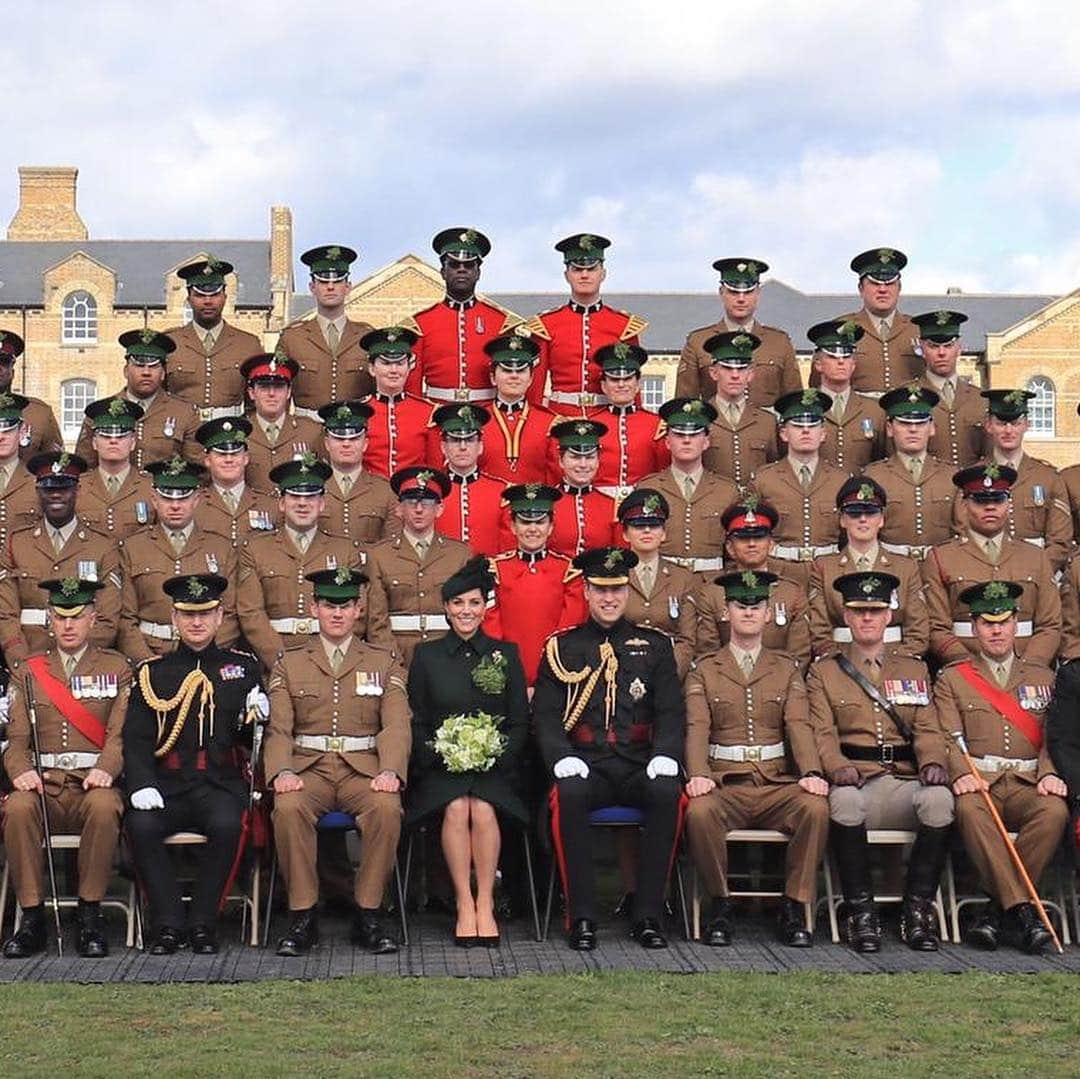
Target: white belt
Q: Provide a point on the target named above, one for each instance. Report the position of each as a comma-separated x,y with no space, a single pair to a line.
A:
1005,764
742,754
892,634
411,623
68,762
1035,541
618,493
220,413
698,565
159,630
462,393
327,743
582,400
912,550
804,554
965,629
294,625
32,616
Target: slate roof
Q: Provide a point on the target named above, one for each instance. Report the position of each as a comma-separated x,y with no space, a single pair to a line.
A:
140,267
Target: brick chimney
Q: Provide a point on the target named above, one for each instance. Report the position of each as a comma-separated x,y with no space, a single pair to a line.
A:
47,205
281,265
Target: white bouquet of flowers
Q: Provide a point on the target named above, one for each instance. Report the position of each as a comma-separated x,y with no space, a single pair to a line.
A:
469,743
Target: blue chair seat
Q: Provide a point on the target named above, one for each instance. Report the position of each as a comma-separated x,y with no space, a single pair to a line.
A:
336,819
614,815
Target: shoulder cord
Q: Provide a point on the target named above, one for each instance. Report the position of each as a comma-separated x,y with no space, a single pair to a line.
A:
578,697
194,682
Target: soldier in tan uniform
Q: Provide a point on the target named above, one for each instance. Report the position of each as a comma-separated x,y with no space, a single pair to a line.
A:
167,425
60,546
114,497
777,370
333,365
861,503
999,702
177,546
958,417
743,436
854,434
696,497
273,602
406,571
19,506
1039,502
80,692
205,368
885,756
40,431
339,739
229,505
748,525
359,504
745,705
918,487
276,436
887,354
662,595
802,486
987,553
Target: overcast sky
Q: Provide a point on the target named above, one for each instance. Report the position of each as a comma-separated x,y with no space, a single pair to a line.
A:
798,133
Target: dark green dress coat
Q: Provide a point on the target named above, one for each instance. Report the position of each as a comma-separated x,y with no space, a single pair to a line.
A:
441,685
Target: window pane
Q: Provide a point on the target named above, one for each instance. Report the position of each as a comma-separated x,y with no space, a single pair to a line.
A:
79,318
1041,407
652,391
75,395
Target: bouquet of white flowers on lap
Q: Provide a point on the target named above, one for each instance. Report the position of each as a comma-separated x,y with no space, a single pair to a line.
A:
469,743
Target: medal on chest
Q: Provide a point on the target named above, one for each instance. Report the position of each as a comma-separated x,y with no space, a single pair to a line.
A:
170,427
906,690
211,562
1034,698
636,689
231,672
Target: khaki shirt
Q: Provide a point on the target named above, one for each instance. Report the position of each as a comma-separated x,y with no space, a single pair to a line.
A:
366,514
167,429
858,438
735,452
884,362
917,514
212,381
670,607
297,435
256,514
324,376
117,515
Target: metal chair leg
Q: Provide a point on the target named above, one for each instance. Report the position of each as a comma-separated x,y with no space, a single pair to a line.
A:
270,885
550,899
534,903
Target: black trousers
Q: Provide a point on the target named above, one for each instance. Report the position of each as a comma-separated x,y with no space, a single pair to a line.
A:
615,781
217,814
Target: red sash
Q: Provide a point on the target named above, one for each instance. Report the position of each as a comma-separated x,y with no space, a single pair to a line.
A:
75,712
1004,702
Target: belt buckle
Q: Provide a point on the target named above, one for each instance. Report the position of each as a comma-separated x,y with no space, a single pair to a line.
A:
423,622
1007,766
752,753
587,400
206,414
65,760
886,753
461,394
174,633
335,743
806,554
303,625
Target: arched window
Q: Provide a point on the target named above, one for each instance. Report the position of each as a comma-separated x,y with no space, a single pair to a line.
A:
75,395
79,322
1041,408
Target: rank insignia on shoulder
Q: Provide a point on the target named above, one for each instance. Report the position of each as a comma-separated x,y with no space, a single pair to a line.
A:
369,683
907,690
276,682
1034,698
231,672
637,689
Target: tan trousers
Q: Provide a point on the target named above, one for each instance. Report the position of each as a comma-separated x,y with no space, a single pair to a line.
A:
889,802
1039,821
92,815
752,803
330,784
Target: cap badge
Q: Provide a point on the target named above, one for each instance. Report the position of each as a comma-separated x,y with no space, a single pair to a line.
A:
147,336
343,413
116,407
866,493
424,478
995,590
942,318
871,584
886,255
582,428
809,397
586,242
195,587
621,351
651,504
69,586
515,344
468,236
749,578
614,558
332,253
176,466
343,576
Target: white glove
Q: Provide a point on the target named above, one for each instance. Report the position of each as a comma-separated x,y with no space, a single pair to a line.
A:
566,767
662,766
147,798
258,702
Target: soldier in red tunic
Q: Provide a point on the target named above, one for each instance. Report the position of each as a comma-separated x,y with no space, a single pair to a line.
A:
516,443
450,360
471,510
397,433
570,335
536,590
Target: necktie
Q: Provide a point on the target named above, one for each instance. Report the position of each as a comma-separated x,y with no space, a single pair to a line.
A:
112,484
733,412
5,474
992,551
863,563
345,483
208,343
57,539
1001,674
838,406
231,500
747,664
272,433
303,541
915,468
177,539
948,393
805,476
333,338
421,549
645,578
69,666
688,486
337,659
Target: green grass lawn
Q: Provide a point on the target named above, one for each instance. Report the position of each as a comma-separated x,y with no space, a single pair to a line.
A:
587,1025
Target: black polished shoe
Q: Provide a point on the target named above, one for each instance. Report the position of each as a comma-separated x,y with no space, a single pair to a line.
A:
861,925
30,937
791,924
918,924
368,932
92,943
302,934
1026,930
648,934
203,940
718,931
583,935
167,942
985,930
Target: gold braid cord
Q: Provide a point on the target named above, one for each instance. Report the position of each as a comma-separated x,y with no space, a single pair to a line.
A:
194,682
578,695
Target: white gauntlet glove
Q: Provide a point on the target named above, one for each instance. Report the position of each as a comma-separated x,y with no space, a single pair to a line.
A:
566,767
662,766
258,702
147,798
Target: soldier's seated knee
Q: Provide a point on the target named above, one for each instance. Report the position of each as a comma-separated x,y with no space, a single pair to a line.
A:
102,803
847,806
934,806
663,790
20,807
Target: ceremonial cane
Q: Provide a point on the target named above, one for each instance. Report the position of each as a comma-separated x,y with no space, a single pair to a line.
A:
31,708
958,738
254,795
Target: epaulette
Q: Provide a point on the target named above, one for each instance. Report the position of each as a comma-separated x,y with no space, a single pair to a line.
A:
410,323
509,321
571,572
431,416
863,393
772,329
536,327
635,325
503,556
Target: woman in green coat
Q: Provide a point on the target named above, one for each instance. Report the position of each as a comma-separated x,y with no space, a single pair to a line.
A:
468,673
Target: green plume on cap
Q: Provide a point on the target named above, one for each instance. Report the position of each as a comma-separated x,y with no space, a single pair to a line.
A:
117,407
6,400
991,471
176,466
614,558
196,587
343,575
751,502
886,254
809,397
847,329
424,478
532,490
749,578
741,340
393,333
696,405
69,586
621,350
61,462
343,413
1016,397
871,584
515,344
995,590
307,459
280,353
865,493
587,242
651,504
213,265
147,336
582,428
942,318
468,236
332,253
465,412
913,393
